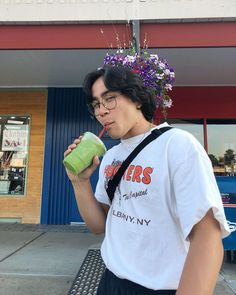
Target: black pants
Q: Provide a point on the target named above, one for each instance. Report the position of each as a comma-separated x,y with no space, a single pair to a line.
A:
112,285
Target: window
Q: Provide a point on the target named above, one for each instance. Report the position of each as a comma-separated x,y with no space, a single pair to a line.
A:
14,139
221,136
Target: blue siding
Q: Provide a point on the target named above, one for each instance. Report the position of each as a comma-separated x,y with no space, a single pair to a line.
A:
67,117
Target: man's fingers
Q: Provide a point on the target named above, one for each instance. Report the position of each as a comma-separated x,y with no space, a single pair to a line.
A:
72,146
78,140
96,160
95,163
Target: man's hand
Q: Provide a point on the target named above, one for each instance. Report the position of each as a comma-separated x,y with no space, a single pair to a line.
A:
92,212
85,174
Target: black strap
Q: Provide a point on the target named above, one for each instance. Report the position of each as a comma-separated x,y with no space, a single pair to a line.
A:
113,183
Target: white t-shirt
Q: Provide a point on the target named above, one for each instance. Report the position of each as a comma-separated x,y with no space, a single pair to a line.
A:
164,192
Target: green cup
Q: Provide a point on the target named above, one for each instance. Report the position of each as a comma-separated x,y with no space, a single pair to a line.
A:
82,156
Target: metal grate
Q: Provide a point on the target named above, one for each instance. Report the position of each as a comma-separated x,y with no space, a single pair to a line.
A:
89,275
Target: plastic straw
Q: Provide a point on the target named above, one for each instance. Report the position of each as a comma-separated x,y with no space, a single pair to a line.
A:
101,132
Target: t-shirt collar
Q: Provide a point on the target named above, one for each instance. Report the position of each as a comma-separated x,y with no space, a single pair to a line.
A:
135,140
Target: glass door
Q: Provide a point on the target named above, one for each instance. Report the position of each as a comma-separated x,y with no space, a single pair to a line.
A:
221,136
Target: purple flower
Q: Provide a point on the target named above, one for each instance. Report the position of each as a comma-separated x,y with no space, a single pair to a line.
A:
155,72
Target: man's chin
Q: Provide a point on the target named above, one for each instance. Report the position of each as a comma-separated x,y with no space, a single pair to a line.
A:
113,135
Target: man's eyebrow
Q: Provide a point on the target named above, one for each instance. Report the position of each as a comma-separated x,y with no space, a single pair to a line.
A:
102,95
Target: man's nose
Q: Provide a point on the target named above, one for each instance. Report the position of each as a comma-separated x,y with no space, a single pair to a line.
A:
103,109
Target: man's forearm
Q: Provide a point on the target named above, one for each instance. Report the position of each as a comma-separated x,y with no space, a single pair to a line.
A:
204,259
90,209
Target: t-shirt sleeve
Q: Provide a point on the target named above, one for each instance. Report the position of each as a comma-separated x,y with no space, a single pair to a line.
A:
196,192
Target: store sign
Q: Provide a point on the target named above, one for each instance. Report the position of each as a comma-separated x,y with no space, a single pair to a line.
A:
229,199
15,138
227,187
111,10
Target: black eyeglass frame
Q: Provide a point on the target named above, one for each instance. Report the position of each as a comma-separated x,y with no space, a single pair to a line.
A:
91,108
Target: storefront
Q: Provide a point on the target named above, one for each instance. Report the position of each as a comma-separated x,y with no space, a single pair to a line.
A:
33,183
37,126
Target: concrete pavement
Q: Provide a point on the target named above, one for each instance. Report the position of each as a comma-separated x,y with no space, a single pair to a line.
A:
43,260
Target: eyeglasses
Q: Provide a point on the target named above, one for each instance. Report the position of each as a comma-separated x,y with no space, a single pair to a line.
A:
109,102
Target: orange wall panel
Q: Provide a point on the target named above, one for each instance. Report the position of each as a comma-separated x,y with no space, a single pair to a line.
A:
27,103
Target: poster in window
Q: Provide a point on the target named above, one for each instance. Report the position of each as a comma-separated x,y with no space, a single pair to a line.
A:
1,153
15,138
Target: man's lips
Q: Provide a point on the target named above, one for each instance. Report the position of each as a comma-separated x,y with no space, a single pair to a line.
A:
108,125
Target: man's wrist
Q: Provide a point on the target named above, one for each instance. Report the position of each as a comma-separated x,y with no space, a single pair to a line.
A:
79,181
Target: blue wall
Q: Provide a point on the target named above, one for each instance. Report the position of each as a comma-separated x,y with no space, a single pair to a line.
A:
67,117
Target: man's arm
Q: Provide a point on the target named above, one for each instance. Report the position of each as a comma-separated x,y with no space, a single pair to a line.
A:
93,213
204,258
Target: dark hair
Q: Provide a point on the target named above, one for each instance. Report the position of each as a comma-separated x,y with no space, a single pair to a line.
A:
118,78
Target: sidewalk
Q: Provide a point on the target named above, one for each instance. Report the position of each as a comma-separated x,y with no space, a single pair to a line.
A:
43,260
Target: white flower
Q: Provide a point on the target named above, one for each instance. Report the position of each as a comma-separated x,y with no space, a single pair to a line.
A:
130,58
168,87
154,58
167,103
167,72
160,76
162,65
154,55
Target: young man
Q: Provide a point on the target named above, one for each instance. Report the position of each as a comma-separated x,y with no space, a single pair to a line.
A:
164,227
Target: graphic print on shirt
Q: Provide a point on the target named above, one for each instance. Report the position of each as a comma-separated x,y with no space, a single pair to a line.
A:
134,174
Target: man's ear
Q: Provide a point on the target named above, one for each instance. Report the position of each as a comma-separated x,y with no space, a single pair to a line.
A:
138,106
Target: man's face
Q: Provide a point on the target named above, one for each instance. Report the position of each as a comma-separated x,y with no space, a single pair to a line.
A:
121,121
